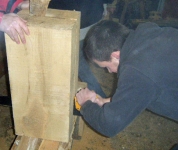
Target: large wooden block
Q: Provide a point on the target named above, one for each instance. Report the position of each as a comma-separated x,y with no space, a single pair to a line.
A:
44,75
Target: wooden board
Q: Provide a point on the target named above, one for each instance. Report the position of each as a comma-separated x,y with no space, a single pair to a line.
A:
44,75
28,143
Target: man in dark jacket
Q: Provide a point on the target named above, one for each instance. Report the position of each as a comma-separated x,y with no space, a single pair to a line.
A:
91,13
146,61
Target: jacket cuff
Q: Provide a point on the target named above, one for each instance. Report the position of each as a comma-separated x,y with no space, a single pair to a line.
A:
1,16
85,106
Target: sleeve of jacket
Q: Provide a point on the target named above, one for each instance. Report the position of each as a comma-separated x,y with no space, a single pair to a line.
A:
3,5
134,93
1,15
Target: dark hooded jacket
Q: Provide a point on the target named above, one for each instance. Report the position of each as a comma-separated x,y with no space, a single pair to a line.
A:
147,79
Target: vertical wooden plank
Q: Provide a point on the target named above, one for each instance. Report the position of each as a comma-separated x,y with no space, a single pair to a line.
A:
26,143
16,143
44,75
54,145
47,145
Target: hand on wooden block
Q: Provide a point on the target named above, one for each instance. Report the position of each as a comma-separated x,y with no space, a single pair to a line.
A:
15,27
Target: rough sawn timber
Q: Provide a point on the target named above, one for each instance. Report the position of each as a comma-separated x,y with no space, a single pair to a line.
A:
43,75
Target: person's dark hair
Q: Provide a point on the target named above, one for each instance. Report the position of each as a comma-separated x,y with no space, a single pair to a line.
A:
104,38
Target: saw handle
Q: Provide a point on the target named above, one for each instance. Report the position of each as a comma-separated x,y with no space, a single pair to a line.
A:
77,105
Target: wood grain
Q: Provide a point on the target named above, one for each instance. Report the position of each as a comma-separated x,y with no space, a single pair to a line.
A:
44,75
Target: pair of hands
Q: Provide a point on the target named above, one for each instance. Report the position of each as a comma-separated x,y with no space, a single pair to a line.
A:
85,94
14,26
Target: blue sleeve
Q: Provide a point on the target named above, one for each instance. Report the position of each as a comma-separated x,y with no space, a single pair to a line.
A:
134,93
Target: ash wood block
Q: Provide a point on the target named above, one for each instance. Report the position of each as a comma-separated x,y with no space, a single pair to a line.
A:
44,75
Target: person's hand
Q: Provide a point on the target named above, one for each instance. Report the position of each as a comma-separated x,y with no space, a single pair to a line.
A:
15,27
84,95
101,101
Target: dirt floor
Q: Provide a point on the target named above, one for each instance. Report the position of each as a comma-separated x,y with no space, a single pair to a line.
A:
147,132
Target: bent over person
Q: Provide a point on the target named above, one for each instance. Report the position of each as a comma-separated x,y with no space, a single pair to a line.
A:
146,63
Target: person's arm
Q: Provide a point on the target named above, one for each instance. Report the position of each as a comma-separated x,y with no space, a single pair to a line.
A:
3,5
85,95
1,16
134,93
14,26
101,101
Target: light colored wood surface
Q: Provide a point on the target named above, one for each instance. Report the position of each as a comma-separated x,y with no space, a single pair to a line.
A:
28,143
38,7
44,75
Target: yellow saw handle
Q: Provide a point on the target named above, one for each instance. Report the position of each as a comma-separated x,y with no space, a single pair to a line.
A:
77,105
